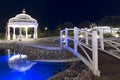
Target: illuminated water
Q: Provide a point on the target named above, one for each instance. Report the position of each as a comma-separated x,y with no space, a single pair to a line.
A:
27,70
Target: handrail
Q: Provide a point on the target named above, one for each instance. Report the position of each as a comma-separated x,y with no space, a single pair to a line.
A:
112,41
81,44
112,45
85,46
83,49
81,57
86,53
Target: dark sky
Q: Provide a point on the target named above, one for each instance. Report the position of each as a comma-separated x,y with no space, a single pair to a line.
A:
53,12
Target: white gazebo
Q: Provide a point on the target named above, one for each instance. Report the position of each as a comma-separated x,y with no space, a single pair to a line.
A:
20,21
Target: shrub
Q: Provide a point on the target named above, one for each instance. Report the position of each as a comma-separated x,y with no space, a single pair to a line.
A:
108,35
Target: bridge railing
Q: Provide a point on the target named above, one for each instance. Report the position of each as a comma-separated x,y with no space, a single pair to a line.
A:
109,46
91,62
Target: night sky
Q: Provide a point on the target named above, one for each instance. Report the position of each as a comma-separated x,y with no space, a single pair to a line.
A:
53,12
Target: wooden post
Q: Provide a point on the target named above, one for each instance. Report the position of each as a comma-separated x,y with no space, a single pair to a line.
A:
95,53
75,38
101,39
61,39
86,36
66,36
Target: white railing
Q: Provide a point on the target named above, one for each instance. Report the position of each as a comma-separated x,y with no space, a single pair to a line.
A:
93,46
104,43
91,62
114,48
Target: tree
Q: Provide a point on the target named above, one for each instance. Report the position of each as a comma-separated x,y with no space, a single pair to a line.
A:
84,24
6,31
113,21
67,25
59,27
40,34
56,32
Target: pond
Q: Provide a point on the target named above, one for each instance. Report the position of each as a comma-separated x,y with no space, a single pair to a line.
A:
17,67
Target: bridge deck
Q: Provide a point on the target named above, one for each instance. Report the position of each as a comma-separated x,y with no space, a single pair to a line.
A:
108,64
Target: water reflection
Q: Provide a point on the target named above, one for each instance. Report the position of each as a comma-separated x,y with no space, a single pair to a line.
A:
20,63
15,66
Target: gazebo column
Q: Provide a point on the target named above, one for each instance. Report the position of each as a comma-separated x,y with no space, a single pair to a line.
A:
35,32
20,34
8,36
14,36
26,33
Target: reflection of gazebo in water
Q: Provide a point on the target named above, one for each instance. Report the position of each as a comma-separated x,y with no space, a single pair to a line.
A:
20,21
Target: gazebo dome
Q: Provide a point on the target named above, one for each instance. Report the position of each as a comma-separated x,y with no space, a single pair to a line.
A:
22,18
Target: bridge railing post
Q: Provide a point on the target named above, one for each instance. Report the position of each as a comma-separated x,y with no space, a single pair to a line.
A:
101,39
95,53
61,39
66,36
75,38
86,36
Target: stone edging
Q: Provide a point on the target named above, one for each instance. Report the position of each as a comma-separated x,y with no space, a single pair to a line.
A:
63,60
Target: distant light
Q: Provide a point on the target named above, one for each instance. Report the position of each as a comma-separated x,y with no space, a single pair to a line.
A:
80,36
116,35
98,36
64,41
59,29
63,36
46,28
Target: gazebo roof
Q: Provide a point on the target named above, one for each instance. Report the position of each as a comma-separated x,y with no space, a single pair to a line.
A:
22,18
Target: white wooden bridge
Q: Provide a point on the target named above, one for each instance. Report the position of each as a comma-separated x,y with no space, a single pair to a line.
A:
86,45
